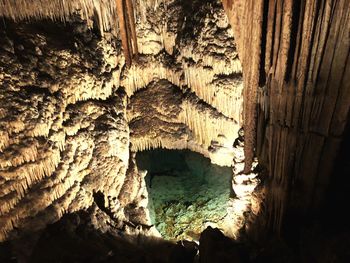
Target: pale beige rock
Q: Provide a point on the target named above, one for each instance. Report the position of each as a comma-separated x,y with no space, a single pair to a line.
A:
71,112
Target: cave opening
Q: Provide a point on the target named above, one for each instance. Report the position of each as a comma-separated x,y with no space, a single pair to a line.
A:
187,193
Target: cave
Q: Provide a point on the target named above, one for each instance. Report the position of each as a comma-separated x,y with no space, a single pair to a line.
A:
186,192
174,130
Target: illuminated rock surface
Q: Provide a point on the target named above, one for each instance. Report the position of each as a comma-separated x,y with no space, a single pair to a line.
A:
73,116
66,122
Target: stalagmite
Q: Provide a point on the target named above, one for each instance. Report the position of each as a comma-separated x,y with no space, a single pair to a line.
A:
244,201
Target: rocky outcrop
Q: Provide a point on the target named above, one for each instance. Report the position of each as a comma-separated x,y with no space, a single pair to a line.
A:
191,51
215,247
245,205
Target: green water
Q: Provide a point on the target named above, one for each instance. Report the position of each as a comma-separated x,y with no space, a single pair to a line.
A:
186,192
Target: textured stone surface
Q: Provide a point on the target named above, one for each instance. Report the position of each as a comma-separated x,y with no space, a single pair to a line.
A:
67,101
298,54
177,120
59,144
70,109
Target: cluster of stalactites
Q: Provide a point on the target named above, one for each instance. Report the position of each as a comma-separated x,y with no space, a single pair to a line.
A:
162,116
223,93
61,10
205,123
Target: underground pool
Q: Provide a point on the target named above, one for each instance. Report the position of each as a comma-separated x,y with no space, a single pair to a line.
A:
187,193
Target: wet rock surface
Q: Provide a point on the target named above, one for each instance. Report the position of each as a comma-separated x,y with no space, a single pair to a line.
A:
187,193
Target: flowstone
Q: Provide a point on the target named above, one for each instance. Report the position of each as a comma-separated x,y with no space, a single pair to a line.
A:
187,193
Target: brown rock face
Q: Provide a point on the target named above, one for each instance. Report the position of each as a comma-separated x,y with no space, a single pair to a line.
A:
300,55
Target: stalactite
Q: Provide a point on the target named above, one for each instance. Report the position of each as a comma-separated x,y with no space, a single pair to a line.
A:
61,174
43,197
127,29
225,95
35,171
26,175
61,10
201,81
182,117
4,140
206,124
8,202
58,141
19,154
123,29
148,143
153,38
140,75
62,193
131,19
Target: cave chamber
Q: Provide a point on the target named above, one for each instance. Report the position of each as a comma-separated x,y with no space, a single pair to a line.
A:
174,131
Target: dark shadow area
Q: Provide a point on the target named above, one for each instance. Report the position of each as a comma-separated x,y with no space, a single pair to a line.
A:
74,239
337,197
324,236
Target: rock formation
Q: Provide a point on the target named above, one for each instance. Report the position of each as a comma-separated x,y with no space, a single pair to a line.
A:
73,113
59,143
86,84
297,80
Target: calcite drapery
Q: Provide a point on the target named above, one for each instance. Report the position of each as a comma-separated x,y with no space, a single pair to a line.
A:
299,52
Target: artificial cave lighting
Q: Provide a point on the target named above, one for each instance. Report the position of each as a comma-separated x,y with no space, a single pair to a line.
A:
174,131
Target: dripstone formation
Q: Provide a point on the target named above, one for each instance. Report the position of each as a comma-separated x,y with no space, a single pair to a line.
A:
73,114
260,87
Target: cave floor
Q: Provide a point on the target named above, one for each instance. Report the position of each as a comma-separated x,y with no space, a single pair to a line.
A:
186,192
